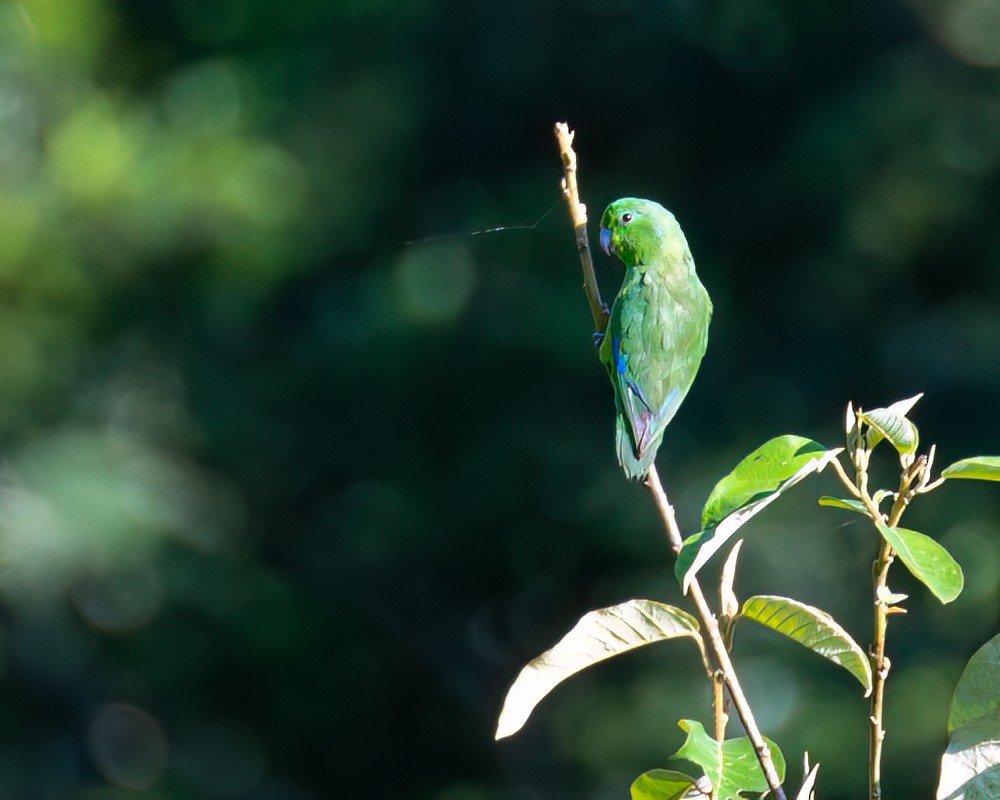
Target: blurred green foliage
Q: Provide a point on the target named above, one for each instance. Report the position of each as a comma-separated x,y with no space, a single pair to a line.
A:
285,502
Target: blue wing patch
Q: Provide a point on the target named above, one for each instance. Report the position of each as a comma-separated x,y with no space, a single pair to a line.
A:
619,357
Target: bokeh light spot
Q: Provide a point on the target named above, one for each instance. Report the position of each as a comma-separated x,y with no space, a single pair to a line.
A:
971,30
120,601
206,99
434,281
128,746
92,153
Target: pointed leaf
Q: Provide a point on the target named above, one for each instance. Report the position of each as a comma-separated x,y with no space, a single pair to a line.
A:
729,604
929,562
891,416
758,480
598,635
894,426
983,468
811,628
847,503
662,784
977,694
888,597
806,790
733,767
904,407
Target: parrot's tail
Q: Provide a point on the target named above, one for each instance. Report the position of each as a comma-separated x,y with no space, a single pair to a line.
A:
635,467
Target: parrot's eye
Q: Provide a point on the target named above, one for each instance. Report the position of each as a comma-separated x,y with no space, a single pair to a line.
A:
626,218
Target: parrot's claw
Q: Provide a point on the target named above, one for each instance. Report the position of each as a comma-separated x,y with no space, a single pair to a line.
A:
598,338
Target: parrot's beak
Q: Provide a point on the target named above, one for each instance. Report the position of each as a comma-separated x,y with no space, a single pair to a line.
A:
606,240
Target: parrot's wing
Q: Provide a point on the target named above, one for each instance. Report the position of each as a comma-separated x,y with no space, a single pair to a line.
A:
656,359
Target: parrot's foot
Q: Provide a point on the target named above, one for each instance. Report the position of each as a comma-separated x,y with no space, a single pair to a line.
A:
598,338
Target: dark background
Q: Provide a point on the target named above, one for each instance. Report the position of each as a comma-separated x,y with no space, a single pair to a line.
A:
286,502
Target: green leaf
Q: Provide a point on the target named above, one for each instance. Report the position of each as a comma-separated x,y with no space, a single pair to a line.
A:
758,480
662,784
811,628
761,473
889,424
982,468
977,694
733,767
929,562
844,502
597,636
970,767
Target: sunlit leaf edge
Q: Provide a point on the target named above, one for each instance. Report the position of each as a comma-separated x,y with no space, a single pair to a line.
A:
597,636
698,549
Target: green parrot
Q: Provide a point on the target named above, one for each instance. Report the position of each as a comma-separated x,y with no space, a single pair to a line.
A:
658,329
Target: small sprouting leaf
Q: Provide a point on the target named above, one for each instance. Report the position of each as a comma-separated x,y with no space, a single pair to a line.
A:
970,767
904,407
729,604
758,480
806,790
732,767
894,426
662,784
811,628
880,495
929,562
891,416
883,595
982,468
847,503
598,635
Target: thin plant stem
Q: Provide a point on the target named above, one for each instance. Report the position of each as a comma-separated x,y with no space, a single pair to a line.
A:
719,650
578,214
912,481
719,707
879,660
599,311
880,671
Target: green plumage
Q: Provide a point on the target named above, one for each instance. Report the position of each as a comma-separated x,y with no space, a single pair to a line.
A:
658,330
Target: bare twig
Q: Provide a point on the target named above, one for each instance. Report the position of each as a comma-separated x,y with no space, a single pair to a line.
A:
578,213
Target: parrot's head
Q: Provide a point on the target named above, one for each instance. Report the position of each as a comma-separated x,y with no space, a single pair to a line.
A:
632,228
